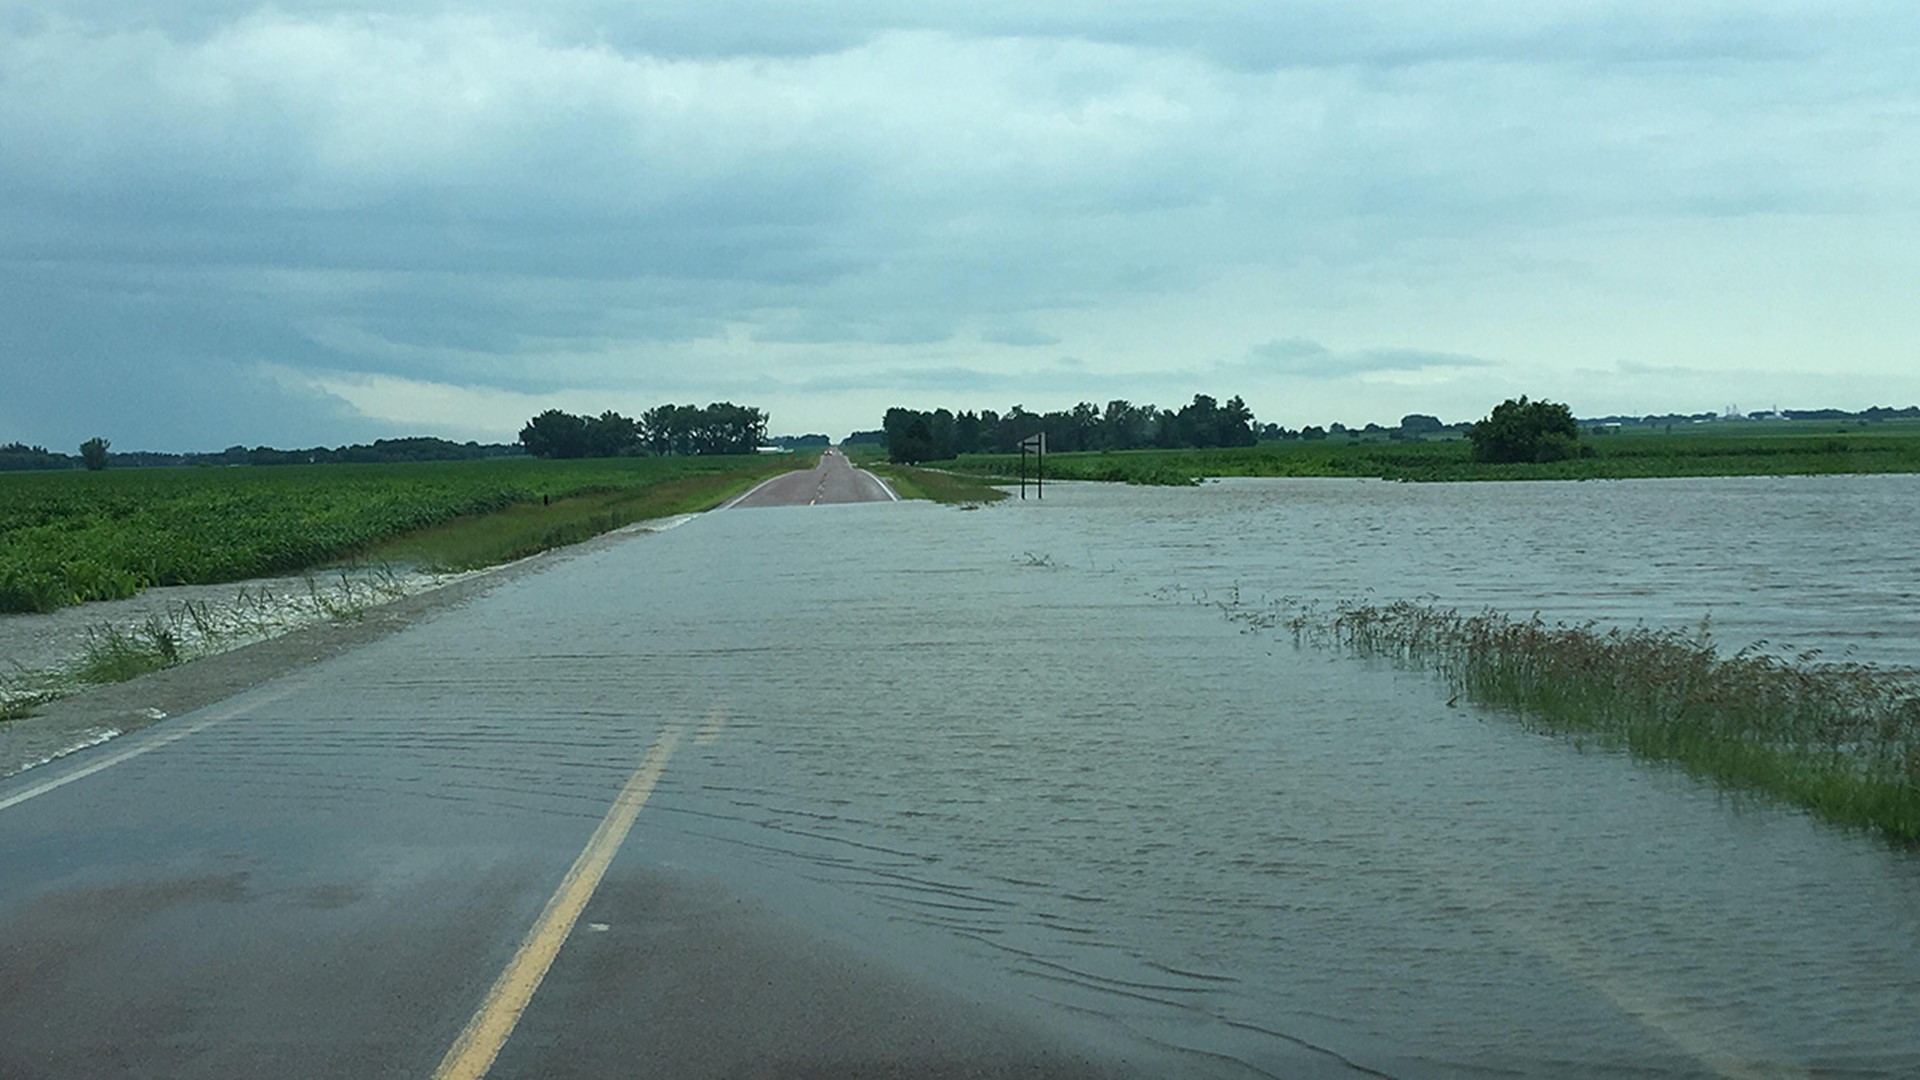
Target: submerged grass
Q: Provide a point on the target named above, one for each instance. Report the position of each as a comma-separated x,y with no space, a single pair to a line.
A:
20,695
114,652
936,485
1840,739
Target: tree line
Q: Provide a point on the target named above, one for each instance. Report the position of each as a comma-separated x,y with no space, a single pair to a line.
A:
913,435
97,454
719,428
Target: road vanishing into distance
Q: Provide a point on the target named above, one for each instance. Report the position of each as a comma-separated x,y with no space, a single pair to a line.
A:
898,790
833,481
371,873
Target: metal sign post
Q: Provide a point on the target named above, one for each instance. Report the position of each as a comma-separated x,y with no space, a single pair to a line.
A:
1037,444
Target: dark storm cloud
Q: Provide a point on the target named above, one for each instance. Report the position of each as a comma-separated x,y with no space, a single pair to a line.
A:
377,215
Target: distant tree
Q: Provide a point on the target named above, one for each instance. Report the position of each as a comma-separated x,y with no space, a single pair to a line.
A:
967,430
1420,424
1166,429
1016,426
267,455
93,453
1519,430
1314,431
1081,427
18,455
909,436
555,434
665,430
720,428
794,442
1124,425
726,428
1233,424
612,435
944,427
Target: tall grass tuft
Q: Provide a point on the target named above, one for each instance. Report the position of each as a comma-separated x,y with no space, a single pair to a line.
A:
116,654
1840,739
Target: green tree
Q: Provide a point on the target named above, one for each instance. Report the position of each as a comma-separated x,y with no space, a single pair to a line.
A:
555,434
1519,430
664,429
909,436
612,435
1233,424
93,453
1124,426
966,433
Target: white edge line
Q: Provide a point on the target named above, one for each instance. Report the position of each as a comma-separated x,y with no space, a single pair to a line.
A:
748,494
110,761
884,486
253,699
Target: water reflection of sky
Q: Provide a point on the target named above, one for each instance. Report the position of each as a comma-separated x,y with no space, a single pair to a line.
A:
1796,562
996,748
1031,775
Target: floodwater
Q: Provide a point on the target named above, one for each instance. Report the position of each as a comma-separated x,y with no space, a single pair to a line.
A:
1006,750
995,729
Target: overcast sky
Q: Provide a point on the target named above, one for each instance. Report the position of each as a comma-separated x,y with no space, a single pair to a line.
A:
322,222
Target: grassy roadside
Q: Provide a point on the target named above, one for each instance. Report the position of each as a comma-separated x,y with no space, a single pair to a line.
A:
1840,740
529,528
1798,453
935,485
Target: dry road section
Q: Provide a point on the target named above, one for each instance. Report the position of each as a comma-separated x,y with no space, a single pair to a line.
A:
834,480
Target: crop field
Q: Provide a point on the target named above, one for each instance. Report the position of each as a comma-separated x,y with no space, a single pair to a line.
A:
1807,449
69,537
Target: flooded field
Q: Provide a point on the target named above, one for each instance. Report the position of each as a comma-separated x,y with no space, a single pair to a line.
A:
1005,750
1275,861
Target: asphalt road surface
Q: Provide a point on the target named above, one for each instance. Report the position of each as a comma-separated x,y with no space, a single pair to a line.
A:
834,480
409,861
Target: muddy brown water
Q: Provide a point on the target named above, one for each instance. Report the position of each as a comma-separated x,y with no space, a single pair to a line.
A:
1004,748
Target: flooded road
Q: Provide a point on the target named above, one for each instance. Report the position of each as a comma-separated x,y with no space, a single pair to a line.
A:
1279,861
1001,754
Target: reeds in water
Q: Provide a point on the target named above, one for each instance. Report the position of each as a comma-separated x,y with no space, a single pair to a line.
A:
1840,739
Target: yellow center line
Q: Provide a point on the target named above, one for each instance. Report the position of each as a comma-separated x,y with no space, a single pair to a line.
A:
710,730
472,1054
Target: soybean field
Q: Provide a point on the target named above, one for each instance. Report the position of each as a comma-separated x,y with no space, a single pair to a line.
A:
70,537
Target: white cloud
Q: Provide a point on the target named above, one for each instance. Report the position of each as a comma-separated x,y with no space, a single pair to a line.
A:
456,411
709,199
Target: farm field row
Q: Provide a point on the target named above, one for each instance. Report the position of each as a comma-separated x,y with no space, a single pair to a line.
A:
1888,449
71,537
